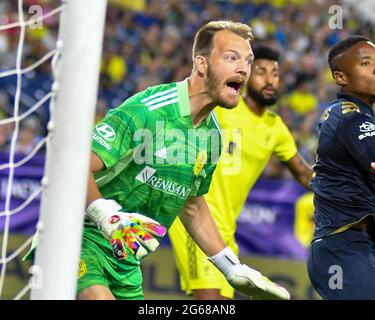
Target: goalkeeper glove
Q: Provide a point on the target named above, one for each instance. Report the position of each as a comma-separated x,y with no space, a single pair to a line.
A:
132,230
245,279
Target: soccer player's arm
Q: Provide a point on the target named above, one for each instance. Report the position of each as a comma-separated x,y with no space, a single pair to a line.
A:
286,151
196,215
96,165
198,221
301,170
112,141
356,133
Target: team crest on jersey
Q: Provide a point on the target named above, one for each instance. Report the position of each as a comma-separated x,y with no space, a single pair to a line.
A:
200,162
82,268
231,146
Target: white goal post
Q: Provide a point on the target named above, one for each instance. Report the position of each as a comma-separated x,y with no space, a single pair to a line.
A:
65,184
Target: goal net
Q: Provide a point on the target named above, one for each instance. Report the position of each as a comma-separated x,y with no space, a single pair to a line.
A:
49,68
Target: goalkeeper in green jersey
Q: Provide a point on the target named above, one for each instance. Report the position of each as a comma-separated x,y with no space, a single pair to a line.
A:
152,160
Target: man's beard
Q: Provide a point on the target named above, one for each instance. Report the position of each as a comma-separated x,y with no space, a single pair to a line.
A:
212,85
260,99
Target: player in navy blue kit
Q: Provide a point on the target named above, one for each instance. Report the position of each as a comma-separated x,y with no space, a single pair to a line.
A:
341,262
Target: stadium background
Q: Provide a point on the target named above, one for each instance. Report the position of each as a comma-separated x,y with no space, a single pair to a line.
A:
149,42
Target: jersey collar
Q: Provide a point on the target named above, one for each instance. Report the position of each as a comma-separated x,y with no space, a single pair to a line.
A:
355,100
183,96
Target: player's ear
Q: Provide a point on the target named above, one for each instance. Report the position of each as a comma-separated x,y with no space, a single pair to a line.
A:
200,64
340,78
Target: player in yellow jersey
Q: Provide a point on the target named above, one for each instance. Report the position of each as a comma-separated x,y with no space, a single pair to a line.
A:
251,134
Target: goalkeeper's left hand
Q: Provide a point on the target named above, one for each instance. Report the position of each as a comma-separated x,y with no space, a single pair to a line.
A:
245,279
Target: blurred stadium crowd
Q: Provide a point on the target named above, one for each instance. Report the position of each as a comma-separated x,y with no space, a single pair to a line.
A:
148,42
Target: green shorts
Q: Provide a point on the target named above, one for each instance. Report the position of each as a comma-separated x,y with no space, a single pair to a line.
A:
98,266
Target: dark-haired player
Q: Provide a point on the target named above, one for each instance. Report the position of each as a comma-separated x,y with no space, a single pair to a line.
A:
252,133
341,261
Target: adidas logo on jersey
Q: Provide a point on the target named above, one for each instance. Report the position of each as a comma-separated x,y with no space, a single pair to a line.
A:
162,153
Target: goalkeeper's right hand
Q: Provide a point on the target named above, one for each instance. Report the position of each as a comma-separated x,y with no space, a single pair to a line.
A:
245,279
132,230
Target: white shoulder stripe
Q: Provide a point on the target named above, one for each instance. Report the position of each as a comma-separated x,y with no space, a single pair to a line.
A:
162,104
213,115
163,98
161,93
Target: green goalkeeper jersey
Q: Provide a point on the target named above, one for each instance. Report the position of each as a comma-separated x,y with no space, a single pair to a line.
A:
155,158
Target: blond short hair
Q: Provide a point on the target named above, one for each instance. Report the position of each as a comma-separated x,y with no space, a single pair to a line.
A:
204,38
